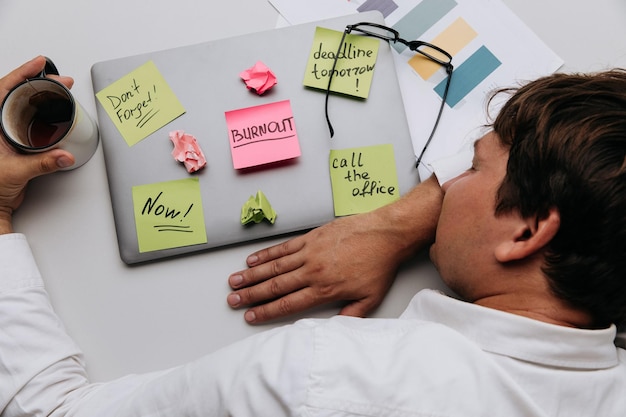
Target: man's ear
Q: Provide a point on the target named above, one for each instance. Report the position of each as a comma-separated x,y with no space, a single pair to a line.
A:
530,237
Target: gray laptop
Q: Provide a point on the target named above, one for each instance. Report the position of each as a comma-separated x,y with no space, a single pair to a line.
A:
204,77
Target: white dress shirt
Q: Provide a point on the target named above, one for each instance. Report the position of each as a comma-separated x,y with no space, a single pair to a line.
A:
443,357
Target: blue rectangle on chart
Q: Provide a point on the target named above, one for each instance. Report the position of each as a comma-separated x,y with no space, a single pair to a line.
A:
468,75
421,18
386,7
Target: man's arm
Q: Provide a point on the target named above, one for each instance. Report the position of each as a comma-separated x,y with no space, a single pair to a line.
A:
353,259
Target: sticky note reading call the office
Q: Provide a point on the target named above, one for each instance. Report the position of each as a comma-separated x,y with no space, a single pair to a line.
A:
355,62
169,215
140,103
363,179
262,134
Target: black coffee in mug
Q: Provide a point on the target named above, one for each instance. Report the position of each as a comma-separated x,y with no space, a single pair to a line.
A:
52,118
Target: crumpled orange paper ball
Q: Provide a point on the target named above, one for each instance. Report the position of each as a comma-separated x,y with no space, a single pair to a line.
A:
187,151
259,78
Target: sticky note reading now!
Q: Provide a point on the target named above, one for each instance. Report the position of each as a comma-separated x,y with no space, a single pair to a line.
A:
169,214
363,179
262,134
140,103
355,62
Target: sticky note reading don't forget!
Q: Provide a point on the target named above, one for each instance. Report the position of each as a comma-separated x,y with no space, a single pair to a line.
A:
140,103
262,134
363,179
169,215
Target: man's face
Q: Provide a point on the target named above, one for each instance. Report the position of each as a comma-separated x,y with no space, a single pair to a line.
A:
468,229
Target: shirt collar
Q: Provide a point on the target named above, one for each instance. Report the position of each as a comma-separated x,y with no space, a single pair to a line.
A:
517,336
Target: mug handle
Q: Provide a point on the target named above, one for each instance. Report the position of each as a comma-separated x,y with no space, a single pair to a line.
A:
50,68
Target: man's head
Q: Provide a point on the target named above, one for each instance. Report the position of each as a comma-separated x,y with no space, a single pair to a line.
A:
566,136
538,225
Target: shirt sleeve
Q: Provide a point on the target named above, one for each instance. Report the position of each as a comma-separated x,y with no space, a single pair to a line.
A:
43,373
39,362
265,374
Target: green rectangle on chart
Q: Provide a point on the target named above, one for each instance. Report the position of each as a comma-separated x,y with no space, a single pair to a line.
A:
468,75
421,18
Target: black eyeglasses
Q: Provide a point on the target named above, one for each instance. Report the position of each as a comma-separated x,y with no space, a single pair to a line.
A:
429,51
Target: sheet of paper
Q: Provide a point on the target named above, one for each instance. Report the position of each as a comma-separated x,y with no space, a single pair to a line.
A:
302,11
262,134
363,179
491,48
355,62
140,103
169,214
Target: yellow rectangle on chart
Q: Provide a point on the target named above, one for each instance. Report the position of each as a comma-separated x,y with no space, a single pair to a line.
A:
454,38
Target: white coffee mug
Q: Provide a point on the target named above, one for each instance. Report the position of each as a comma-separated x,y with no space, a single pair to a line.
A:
40,114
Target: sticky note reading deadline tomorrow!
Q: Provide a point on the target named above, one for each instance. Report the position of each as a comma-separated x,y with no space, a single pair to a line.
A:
169,215
363,179
355,62
140,103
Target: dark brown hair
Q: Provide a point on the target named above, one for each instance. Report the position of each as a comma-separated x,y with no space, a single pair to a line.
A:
567,140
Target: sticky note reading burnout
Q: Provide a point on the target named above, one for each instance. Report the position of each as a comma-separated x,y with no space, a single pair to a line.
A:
363,179
262,134
169,215
140,103
355,62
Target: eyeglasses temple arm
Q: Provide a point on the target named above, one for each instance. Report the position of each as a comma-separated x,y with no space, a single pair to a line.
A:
330,126
330,79
449,69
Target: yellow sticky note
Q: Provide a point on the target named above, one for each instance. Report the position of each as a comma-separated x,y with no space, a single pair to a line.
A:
363,179
355,62
169,214
140,103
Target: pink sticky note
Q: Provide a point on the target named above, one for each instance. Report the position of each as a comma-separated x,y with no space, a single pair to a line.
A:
262,134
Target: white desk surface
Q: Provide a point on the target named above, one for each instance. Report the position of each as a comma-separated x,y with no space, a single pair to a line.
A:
139,319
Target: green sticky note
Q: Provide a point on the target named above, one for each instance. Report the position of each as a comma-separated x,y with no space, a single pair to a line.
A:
140,103
363,179
355,62
256,209
169,214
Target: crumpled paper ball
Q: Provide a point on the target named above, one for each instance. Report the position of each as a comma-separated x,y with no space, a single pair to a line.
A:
256,209
259,78
187,151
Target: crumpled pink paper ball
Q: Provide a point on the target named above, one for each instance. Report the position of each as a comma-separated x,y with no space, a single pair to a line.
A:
259,78
187,151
